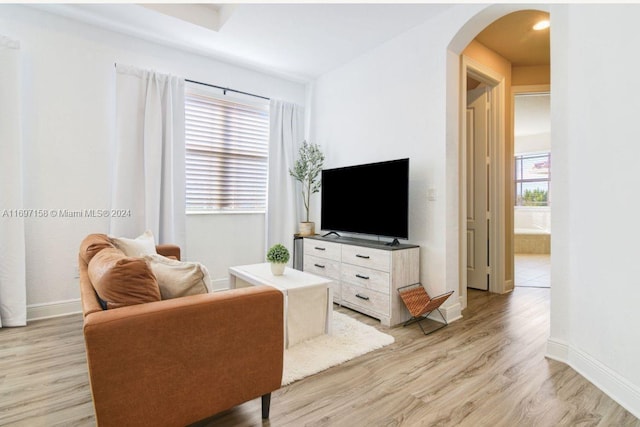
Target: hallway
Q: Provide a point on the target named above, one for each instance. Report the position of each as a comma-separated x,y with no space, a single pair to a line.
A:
532,270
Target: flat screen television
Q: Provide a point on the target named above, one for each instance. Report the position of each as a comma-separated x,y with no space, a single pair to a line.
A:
371,199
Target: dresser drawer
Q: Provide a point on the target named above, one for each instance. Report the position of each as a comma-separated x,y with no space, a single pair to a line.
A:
366,298
322,266
366,277
366,257
337,293
322,249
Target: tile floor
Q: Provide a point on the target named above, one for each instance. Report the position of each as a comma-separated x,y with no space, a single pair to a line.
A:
533,270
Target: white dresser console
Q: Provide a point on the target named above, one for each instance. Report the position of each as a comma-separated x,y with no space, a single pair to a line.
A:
365,274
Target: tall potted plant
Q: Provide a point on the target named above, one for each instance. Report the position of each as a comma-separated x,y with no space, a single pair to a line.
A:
306,170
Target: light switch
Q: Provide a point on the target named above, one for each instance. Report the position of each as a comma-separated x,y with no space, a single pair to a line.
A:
432,194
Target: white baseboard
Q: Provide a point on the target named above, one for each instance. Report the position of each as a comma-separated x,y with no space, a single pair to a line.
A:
220,284
557,350
53,309
452,312
610,382
74,306
508,286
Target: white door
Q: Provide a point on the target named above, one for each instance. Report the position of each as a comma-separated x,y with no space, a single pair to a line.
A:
478,173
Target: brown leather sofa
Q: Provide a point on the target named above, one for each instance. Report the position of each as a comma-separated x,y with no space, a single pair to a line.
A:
178,361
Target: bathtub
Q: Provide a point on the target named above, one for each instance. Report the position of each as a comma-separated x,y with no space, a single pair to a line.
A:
532,229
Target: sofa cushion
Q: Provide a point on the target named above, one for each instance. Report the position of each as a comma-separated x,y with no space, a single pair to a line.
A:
179,278
142,245
120,280
92,244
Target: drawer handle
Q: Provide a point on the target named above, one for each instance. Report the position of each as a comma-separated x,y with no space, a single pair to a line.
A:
360,276
319,265
362,297
362,256
320,249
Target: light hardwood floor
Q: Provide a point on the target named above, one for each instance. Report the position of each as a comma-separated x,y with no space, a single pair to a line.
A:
488,369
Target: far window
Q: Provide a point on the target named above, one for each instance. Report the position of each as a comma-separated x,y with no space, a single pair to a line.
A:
226,153
533,178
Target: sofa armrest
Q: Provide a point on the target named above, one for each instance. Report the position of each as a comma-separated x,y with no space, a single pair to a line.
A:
178,361
169,250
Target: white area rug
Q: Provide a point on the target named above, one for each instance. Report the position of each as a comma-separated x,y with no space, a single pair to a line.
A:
349,339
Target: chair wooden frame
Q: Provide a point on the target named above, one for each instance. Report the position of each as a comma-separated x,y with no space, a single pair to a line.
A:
421,305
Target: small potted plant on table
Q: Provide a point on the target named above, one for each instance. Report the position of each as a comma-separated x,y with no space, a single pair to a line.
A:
278,256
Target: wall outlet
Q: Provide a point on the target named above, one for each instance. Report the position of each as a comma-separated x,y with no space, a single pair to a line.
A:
432,194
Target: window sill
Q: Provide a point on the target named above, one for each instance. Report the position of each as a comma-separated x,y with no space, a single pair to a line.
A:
225,213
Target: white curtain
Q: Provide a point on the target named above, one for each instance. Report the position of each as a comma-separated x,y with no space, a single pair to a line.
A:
149,177
13,293
284,211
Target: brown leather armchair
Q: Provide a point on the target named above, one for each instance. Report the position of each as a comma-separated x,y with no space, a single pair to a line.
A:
178,361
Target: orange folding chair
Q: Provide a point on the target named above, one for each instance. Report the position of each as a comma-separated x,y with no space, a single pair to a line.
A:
420,304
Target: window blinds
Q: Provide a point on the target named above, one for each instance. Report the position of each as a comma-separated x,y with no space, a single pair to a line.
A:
226,154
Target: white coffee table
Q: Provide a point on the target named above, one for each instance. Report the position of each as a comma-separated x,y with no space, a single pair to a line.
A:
308,298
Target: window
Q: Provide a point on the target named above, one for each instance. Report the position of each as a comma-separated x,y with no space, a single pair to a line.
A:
226,153
533,176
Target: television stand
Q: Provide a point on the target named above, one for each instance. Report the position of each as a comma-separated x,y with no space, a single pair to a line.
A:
365,274
330,233
394,242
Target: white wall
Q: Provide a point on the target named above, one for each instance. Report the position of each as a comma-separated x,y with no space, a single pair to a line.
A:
220,241
69,101
397,100
391,103
595,289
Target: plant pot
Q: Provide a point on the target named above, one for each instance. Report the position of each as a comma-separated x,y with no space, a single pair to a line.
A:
277,269
307,228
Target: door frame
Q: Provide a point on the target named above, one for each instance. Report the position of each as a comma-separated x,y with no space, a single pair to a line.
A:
497,179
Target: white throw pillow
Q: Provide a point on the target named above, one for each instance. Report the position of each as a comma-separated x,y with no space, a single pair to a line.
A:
140,246
179,278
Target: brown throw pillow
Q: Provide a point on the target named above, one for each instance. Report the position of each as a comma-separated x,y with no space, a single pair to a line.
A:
120,280
92,244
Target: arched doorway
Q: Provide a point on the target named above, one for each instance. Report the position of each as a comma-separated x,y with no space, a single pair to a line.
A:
501,235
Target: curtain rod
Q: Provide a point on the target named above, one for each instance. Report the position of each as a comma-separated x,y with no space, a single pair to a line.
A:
226,89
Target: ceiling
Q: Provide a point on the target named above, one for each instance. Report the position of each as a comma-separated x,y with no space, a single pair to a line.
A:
514,38
297,41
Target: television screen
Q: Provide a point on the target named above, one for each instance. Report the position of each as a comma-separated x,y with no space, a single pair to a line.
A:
367,199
